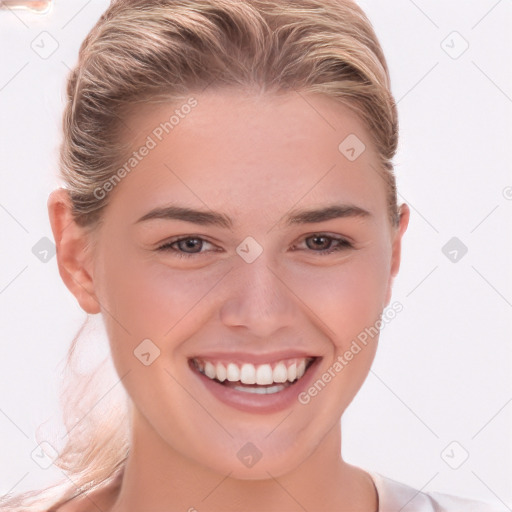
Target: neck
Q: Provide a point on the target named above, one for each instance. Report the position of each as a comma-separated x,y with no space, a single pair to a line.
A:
156,477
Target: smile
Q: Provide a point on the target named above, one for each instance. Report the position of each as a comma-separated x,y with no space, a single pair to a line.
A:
268,378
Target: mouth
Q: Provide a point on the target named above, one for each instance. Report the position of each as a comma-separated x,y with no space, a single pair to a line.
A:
258,379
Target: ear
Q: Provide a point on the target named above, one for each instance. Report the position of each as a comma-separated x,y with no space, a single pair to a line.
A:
397,248
74,251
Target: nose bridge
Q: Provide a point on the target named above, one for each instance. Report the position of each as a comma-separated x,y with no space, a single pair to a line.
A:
257,297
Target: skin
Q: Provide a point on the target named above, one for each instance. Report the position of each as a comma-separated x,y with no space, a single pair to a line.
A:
254,157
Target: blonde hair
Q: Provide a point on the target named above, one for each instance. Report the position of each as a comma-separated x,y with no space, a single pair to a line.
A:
144,51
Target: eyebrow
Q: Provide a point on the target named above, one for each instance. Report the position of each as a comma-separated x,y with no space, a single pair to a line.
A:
210,218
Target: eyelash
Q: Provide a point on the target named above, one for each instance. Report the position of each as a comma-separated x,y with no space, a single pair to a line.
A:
342,244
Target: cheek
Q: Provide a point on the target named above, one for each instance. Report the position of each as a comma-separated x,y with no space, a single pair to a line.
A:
149,299
348,297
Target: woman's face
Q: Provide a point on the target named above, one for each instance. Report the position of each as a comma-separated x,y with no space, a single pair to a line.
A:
258,283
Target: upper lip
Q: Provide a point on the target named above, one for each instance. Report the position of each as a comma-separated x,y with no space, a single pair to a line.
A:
245,357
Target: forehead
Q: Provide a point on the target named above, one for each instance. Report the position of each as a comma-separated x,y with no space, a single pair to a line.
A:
251,152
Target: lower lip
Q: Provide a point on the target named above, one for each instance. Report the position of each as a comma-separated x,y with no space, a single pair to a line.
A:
258,403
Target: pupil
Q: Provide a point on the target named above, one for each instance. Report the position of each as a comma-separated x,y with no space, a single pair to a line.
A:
190,243
319,245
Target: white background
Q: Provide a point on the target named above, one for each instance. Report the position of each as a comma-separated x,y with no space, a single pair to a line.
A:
443,368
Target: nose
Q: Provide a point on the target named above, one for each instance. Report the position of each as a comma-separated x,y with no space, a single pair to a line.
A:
258,299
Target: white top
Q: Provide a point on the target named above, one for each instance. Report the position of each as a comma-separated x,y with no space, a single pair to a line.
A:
398,497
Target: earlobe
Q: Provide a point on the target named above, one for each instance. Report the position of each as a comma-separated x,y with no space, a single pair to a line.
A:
74,254
397,248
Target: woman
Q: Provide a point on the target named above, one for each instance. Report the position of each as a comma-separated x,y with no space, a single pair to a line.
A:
230,209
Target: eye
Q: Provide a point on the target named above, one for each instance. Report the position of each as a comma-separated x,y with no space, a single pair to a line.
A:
187,247
326,244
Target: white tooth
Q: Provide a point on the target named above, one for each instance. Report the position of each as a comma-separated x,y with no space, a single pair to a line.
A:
221,372
209,370
280,373
248,374
261,391
264,374
233,372
301,368
292,372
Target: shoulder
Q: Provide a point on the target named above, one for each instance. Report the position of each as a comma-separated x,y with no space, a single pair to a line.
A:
446,502
394,495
